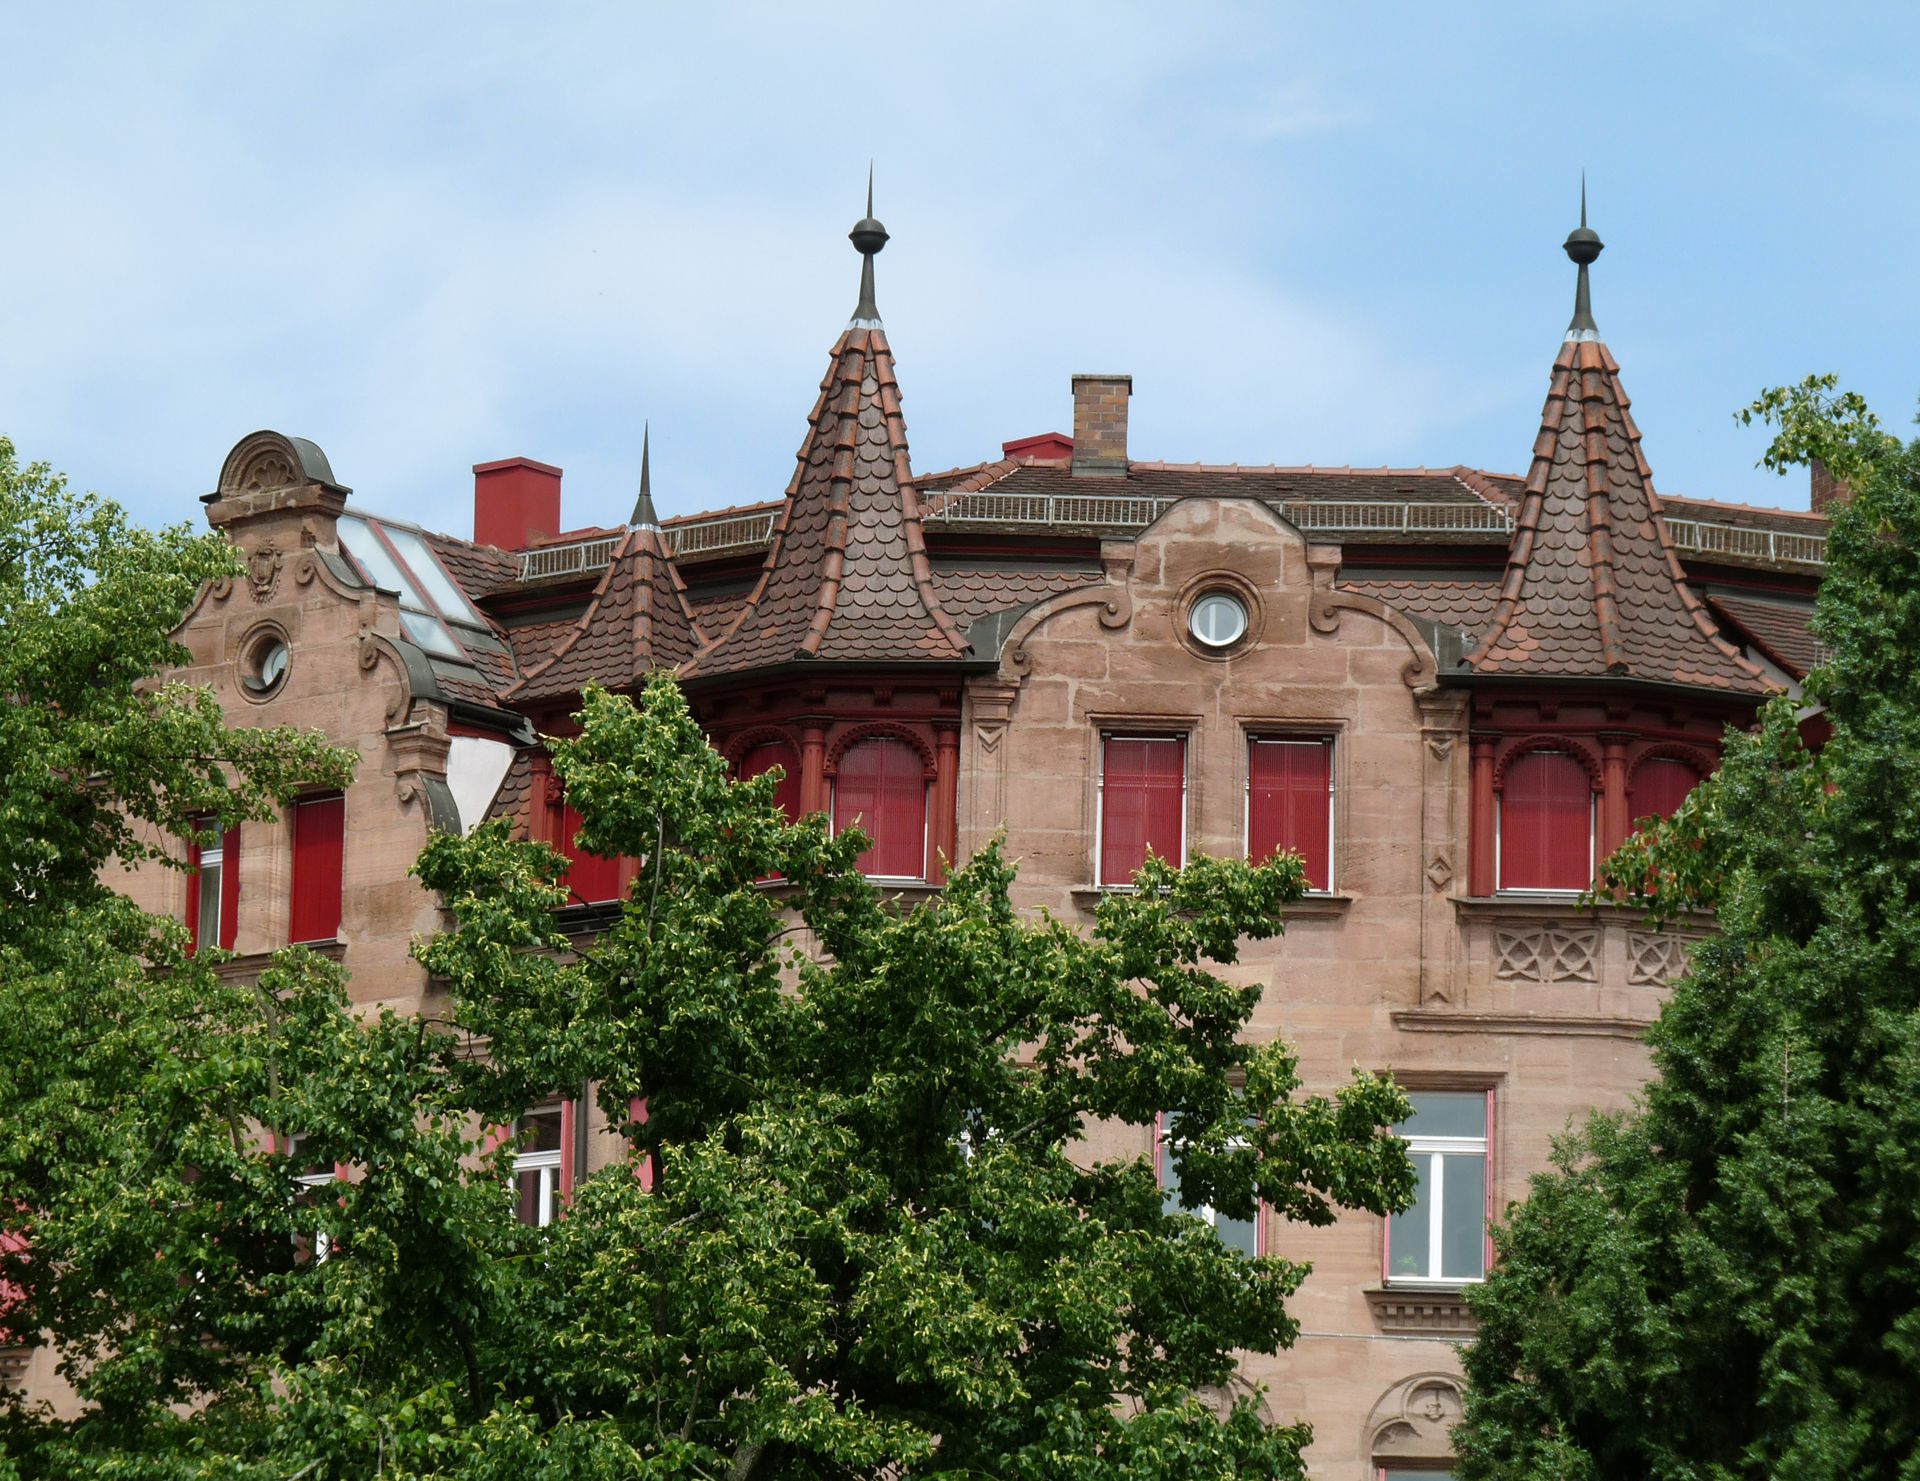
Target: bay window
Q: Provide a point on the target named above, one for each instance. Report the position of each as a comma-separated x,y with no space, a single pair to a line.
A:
1546,823
1142,805
1660,785
592,879
761,758
880,787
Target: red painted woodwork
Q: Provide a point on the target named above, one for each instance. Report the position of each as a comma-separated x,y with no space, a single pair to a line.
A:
943,826
1612,820
1143,803
763,758
1290,803
1546,824
881,788
319,834
1482,824
813,766
1660,785
593,878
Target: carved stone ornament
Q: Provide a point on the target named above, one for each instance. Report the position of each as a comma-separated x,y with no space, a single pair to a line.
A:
1439,870
1413,1420
1654,959
1546,954
263,570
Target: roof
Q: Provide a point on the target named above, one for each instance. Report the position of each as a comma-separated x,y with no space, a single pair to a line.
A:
1780,630
1593,586
846,578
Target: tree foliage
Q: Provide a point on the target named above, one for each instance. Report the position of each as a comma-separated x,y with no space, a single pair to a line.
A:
870,1242
1726,1282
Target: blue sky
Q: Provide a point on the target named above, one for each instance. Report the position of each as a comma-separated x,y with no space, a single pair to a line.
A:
429,235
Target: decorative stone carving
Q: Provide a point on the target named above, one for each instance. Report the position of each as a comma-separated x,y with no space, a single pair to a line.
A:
1439,870
1410,1312
1324,617
1546,954
1654,958
1413,1421
263,570
267,469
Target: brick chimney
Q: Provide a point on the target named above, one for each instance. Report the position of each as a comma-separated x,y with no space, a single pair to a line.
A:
1100,425
1826,488
516,503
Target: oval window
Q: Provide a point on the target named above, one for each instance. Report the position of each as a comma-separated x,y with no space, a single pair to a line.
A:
266,664
1218,619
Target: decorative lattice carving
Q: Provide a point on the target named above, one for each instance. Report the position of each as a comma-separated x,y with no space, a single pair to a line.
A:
1548,954
1655,959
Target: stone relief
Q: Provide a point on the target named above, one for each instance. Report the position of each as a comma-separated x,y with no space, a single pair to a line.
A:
1546,954
1655,959
1412,1420
263,570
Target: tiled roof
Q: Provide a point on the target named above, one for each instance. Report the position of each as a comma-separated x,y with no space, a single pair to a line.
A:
970,590
638,621
534,642
480,569
1778,629
846,577
716,613
1462,604
514,799
1177,480
1593,586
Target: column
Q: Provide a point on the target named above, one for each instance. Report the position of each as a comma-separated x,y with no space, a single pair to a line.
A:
1483,823
1613,819
813,763
942,826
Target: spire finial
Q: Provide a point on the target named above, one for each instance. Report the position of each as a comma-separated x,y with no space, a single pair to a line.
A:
1583,245
645,516
868,237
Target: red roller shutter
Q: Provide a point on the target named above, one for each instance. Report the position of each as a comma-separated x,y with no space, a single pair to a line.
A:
880,787
1660,786
764,757
319,832
1546,824
228,925
1143,803
1290,803
593,878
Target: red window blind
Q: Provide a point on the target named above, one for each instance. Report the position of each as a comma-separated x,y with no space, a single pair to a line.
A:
213,890
319,834
1546,824
1660,786
1143,802
1290,803
881,788
593,878
764,757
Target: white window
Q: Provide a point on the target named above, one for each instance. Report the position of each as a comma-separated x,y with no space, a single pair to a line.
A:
210,861
538,1149
310,1178
1240,1234
1442,1239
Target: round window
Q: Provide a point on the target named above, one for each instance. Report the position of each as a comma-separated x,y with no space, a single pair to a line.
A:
266,664
1218,619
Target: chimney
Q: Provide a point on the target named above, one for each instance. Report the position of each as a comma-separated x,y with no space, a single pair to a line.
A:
1044,447
516,503
1826,488
1100,425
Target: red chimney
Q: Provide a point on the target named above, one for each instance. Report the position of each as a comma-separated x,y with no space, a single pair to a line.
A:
516,503
1826,488
1047,447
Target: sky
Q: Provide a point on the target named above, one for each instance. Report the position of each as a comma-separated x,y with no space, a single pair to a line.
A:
436,234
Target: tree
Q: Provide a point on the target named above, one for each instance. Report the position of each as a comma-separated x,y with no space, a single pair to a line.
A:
863,1245
1725,1283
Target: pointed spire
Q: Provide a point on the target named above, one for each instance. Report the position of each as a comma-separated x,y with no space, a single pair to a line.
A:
1583,245
645,516
868,237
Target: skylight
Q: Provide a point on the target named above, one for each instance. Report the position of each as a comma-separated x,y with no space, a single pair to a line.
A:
399,561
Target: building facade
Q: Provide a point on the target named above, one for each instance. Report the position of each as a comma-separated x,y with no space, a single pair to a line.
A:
1451,691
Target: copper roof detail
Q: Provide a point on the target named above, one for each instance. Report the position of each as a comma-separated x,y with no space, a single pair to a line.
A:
1593,584
637,622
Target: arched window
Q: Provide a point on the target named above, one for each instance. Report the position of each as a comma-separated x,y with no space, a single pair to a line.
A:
1660,785
880,787
593,879
764,757
1546,824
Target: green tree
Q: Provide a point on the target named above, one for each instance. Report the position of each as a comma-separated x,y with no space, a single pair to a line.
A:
1726,1282
869,1246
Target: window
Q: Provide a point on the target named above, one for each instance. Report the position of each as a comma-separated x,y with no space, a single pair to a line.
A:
1546,824
213,890
1290,803
880,787
1443,1238
763,758
310,1176
1404,1473
1660,785
1218,619
1238,1234
1143,803
539,1140
593,879
319,831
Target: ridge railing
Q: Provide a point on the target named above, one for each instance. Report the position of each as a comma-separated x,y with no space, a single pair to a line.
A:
1711,537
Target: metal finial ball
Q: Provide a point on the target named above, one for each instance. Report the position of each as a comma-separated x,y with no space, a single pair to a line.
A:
1583,245
868,236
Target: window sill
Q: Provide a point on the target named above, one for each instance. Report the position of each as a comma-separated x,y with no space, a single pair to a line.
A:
249,965
1438,1310
1311,906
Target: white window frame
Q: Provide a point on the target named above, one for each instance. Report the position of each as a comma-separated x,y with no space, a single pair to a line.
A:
313,1181
1182,738
545,1164
210,865
1162,1138
1500,886
1440,1148
1303,738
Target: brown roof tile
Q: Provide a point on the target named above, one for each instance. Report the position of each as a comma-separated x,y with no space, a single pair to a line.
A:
514,799
846,577
1462,604
970,590
479,569
1780,630
1593,586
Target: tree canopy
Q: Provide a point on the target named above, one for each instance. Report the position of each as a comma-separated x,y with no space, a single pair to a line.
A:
869,1240
1726,1282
